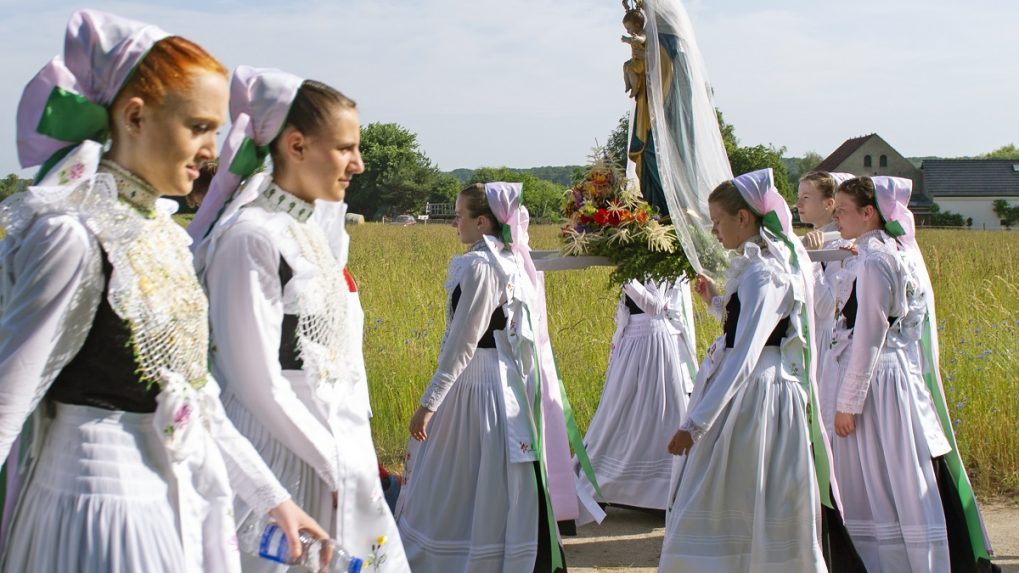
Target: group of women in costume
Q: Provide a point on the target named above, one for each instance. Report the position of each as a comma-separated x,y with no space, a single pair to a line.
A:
158,387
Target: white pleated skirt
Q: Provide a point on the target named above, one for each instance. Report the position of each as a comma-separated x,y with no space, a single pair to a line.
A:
98,500
642,404
886,477
306,488
466,507
746,497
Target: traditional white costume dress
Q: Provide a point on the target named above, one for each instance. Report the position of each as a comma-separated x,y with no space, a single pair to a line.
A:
893,513
287,331
746,492
650,376
132,458
909,503
287,335
472,499
746,495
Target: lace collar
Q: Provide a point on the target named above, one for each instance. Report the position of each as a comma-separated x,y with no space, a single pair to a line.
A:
478,245
275,198
132,189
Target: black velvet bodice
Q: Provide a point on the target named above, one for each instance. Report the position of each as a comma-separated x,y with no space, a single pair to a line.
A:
850,309
104,373
496,322
290,358
732,321
632,306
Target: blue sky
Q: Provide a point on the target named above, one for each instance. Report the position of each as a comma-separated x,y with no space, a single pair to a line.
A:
536,82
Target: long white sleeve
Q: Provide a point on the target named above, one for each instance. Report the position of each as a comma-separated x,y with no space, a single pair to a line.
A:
54,279
250,477
479,297
762,305
246,313
873,303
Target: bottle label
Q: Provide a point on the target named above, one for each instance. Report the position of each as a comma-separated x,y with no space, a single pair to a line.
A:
273,545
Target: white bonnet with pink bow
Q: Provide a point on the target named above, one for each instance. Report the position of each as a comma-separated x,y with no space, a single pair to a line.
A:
66,103
260,100
892,197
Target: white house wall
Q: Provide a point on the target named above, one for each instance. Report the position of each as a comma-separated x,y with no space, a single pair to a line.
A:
980,208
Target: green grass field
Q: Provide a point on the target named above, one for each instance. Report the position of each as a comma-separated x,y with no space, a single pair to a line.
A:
401,270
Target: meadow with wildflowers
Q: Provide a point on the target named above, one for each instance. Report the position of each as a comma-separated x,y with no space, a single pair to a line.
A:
401,270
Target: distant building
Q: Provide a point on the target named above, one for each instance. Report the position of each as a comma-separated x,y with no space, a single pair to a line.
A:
970,186
871,155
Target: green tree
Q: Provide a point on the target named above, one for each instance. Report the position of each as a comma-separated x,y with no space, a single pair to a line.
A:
445,188
9,185
1009,151
745,159
619,141
1009,215
542,198
398,176
941,218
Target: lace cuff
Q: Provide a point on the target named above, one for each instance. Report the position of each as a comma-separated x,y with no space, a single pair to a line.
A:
853,394
696,432
266,497
436,391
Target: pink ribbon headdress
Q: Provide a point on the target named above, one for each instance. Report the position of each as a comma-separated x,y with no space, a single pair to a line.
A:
66,103
260,100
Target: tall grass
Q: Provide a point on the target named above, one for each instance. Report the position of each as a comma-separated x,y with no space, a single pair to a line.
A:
401,270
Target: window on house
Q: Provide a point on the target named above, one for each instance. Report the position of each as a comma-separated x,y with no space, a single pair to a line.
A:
883,161
866,161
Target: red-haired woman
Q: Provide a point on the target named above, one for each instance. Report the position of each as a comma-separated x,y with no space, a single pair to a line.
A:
104,330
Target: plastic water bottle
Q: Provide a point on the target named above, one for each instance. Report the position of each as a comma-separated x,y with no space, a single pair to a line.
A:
259,535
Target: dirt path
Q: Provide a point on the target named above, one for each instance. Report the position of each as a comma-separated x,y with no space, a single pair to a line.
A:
632,541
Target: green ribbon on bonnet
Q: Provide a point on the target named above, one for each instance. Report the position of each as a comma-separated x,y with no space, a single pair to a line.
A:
894,228
249,158
505,234
70,117
771,222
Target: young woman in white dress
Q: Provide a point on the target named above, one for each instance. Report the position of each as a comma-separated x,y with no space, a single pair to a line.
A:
476,499
647,386
286,323
908,502
746,494
132,463
815,202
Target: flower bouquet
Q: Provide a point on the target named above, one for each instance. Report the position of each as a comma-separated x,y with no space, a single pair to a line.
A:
607,216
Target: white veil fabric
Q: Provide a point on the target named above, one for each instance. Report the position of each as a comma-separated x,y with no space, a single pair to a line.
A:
687,143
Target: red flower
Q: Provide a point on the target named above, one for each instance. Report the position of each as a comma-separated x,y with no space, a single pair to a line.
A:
606,218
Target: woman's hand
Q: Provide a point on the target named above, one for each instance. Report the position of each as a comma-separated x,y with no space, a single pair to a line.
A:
292,520
705,287
813,240
681,443
852,249
845,424
419,423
